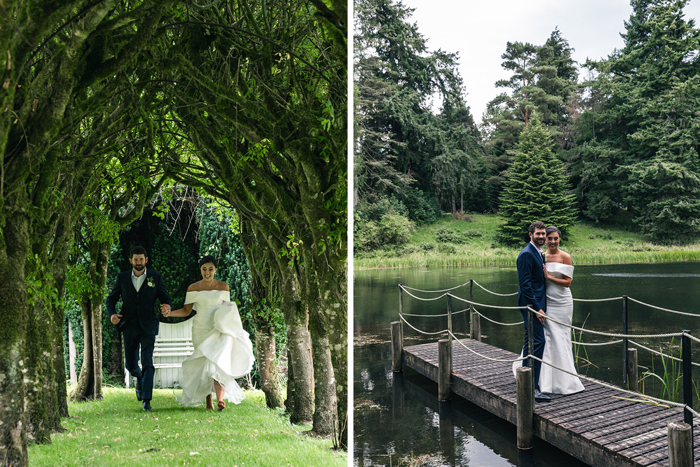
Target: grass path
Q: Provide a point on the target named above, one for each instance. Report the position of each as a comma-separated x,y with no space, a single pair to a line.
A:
115,431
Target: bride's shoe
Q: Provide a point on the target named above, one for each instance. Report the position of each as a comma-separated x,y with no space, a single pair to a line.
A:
221,405
210,405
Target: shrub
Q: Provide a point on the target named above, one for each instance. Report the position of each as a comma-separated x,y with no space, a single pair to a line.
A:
392,229
426,246
447,248
444,235
472,234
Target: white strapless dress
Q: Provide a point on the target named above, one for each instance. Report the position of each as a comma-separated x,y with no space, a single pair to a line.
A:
222,349
557,347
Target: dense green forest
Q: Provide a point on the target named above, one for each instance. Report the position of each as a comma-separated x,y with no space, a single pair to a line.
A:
618,147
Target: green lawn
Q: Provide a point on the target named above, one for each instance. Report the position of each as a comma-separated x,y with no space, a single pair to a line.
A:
115,431
587,244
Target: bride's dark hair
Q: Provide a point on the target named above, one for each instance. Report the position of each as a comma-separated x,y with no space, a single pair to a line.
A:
208,259
548,231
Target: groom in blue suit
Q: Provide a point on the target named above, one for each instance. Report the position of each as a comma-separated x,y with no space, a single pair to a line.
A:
139,288
531,292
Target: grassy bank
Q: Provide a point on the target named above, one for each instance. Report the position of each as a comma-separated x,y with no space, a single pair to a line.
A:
474,243
115,431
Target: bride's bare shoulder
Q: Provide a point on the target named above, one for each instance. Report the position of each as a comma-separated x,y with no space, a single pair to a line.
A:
195,287
566,258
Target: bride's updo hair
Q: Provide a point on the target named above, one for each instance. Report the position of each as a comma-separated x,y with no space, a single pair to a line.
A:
549,230
208,259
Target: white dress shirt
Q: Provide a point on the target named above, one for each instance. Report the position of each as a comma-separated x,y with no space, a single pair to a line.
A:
138,280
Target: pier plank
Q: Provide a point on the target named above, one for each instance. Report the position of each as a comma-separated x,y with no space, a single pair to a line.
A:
596,425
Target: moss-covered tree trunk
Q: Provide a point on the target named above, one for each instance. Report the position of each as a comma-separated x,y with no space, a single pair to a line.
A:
266,356
14,251
90,380
300,393
325,421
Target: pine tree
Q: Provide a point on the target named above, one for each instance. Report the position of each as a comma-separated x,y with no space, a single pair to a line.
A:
645,141
535,187
543,80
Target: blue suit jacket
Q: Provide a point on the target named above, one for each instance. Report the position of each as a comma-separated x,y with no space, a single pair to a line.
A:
138,307
531,278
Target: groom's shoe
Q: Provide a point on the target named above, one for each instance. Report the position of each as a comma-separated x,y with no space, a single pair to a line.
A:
147,406
138,389
539,397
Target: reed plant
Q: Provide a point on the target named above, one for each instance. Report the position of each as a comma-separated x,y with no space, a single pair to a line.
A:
115,431
670,376
576,340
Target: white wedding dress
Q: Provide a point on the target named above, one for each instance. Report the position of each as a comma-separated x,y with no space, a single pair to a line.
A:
557,344
222,349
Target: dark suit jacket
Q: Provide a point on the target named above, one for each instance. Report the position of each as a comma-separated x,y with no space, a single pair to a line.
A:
138,307
531,278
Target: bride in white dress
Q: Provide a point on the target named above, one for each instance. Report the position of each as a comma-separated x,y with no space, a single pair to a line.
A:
558,273
222,348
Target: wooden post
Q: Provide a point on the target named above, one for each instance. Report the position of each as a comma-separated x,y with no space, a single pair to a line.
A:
624,340
449,315
444,369
687,379
475,328
680,445
525,401
632,370
401,308
449,323
396,347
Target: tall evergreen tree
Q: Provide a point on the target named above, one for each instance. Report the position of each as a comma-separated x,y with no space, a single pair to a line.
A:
535,187
543,80
396,81
648,120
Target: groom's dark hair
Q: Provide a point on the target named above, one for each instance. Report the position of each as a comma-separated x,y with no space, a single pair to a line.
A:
138,250
536,225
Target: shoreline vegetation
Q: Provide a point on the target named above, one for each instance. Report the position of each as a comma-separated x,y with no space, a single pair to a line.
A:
472,242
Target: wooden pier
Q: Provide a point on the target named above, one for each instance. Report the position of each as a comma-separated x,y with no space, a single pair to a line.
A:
596,426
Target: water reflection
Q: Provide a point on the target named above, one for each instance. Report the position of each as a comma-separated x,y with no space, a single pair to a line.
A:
398,420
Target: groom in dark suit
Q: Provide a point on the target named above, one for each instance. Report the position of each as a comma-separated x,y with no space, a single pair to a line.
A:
138,289
531,292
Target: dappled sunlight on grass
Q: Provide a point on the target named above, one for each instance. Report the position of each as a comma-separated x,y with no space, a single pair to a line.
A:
115,431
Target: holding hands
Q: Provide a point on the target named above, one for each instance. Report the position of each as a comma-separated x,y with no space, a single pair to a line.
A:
165,309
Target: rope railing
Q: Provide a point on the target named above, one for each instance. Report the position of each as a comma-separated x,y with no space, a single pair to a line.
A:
597,343
596,299
660,353
433,291
496,322
607,334
663,309
442,315
494,293
591,300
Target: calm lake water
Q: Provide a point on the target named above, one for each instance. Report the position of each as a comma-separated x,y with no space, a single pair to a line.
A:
398,420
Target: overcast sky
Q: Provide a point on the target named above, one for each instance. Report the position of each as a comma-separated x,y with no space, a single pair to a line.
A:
479,30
